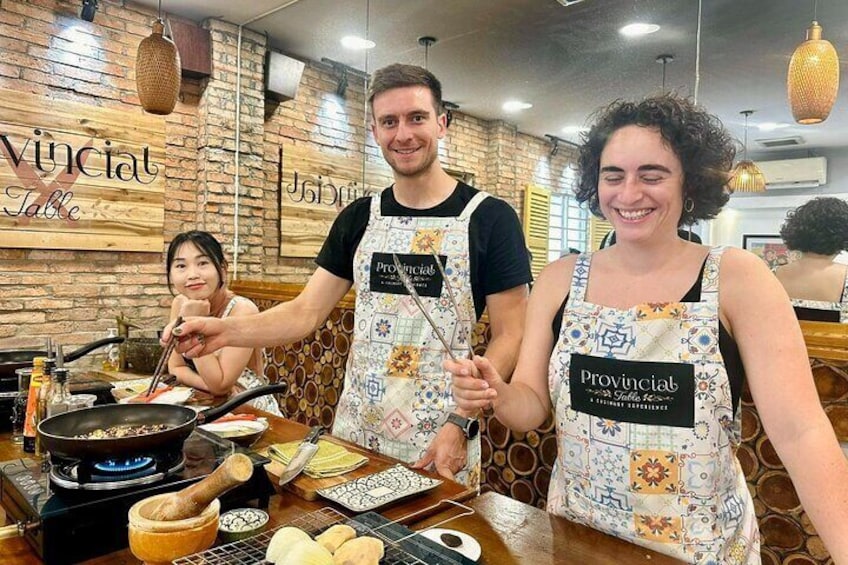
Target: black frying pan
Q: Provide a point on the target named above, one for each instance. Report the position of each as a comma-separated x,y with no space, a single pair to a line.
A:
57,432
12,359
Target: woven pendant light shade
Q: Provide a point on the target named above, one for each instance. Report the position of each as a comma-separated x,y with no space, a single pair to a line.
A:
157,72
813,78
747,177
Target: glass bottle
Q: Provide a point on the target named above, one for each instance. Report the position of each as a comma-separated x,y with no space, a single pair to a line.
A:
31,422
43,395
19,406
111,361
60,394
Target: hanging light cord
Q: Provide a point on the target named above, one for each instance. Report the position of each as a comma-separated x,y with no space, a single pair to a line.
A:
698,53
160,9
365,97
745,147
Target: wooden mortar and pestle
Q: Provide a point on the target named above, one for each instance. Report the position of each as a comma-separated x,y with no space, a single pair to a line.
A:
190,502
168,526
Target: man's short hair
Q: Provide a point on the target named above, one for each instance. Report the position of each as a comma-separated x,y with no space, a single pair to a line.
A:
399,75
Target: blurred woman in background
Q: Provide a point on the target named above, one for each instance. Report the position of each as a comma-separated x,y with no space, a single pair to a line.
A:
816,284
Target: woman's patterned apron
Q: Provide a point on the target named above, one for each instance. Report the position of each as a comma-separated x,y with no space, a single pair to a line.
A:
249,379
646,429
841,306
396,394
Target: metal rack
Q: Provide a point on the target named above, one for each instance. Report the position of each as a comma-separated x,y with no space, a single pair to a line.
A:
400,547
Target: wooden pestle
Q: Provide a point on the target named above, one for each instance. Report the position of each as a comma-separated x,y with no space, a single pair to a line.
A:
190,502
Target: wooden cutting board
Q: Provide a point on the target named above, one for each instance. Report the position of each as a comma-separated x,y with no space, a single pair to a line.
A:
307,488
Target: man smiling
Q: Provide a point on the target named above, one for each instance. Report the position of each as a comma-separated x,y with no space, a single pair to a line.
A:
397,398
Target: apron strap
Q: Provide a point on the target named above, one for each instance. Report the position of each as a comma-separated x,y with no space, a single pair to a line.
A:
580,278
709,279
472,205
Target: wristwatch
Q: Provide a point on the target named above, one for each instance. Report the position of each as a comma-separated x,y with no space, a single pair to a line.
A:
469,426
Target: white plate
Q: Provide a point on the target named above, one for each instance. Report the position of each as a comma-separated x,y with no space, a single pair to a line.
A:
378,489
179,395
469,548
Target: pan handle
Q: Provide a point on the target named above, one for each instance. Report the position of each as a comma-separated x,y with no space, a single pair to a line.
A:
77,353
236,401
18,529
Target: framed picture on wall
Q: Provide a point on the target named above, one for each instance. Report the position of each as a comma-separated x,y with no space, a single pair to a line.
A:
769,248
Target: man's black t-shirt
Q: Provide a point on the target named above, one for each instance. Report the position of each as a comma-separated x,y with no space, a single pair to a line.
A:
499,259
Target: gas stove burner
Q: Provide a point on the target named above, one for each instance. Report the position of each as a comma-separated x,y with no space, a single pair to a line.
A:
123,466
114,474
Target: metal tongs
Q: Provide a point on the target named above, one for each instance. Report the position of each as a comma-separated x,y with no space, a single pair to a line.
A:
410,288
163,360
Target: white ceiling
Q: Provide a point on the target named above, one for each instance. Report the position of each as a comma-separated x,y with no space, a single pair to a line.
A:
567,60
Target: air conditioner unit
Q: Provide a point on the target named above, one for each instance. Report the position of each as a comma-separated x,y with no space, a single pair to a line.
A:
794,173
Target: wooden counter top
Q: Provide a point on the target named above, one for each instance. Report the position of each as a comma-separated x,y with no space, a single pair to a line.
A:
511,532
508,531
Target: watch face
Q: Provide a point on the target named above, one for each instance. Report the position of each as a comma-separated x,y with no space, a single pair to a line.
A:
473,428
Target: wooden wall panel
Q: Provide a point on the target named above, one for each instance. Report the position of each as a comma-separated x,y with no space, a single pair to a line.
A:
316,185
76,176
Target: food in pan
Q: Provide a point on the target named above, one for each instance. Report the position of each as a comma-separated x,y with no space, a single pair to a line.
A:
306,552
124,430
363,550
283,541
334,536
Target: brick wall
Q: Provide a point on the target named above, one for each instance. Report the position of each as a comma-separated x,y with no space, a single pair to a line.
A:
74,296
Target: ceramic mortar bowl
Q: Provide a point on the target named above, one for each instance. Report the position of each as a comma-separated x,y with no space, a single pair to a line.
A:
162,541
241,523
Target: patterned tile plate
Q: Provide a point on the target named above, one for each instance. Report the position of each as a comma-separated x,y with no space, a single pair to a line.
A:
376,490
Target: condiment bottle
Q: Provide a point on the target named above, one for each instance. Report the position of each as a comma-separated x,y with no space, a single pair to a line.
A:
112,360
60,394
31,422
44,394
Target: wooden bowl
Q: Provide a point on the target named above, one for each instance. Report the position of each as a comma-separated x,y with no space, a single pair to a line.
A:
161,541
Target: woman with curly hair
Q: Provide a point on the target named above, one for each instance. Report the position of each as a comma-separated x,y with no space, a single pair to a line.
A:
818,287
642,360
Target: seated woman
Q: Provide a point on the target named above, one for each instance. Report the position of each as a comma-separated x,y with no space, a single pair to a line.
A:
817,286
641,350
197,271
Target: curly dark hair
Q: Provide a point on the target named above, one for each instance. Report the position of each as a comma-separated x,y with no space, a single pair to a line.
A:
819,226
206,244
705,149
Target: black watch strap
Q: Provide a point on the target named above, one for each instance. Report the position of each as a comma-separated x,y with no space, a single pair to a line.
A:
469,426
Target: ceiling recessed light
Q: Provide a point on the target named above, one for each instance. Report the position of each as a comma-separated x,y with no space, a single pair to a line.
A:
636,30
771,126
516,105
354,42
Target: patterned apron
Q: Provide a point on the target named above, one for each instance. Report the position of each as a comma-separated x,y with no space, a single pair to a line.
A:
396,394
249,379
645,426
841,307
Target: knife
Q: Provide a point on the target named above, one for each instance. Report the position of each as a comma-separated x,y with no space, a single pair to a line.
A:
305,451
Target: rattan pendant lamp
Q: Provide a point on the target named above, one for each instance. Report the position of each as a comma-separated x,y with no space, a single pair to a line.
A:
747,176
813,78
157,70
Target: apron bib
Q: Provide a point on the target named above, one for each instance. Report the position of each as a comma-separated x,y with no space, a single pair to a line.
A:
646,429
396,395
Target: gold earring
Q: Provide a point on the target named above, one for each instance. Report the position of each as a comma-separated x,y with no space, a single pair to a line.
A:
688,205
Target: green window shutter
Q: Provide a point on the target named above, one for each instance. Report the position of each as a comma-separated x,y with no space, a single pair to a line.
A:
537,211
